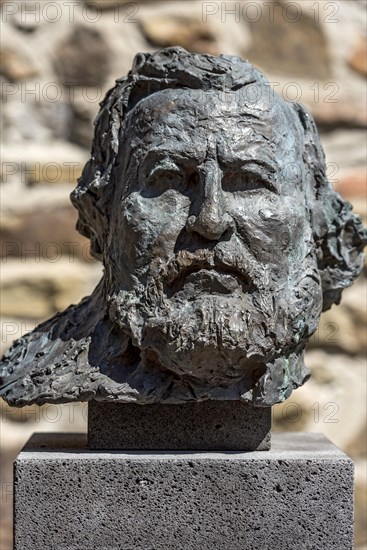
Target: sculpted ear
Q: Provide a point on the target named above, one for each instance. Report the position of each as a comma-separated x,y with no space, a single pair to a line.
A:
338,234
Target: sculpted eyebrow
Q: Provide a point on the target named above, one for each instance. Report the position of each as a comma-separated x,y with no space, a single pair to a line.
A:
158,154
262,169
235,162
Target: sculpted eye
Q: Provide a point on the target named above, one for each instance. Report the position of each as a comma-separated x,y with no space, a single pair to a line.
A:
194,178
243,181
163,179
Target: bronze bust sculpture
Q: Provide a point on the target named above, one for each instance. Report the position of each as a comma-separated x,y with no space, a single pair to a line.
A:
222,241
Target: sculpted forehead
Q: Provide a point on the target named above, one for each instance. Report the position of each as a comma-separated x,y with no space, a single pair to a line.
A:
193,119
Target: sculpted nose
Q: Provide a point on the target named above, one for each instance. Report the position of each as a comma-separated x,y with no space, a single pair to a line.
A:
212,221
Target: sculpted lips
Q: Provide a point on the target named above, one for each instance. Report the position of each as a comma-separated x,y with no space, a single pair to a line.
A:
210,280
204,271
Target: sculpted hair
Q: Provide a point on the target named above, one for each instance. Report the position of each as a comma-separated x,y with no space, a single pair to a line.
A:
338,234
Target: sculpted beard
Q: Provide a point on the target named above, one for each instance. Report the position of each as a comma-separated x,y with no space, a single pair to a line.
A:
185,315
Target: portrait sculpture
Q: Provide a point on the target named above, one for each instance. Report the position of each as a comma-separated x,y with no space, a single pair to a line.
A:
206,198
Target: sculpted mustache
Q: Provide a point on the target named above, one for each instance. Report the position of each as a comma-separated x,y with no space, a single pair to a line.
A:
186,262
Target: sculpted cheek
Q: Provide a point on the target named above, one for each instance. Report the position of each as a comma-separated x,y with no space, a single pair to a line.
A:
170,214
276,229
257,235
271,230
136,224
272,234
151,225
285,224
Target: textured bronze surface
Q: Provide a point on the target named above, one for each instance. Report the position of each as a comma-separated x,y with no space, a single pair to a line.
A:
207,201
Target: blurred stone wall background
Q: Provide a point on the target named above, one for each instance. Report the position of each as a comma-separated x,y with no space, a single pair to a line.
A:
57,61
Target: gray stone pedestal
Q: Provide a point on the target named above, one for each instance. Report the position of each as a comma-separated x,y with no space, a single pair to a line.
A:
198,426
296,496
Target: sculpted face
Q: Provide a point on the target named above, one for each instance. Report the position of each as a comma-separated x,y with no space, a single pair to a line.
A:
221,238
211,235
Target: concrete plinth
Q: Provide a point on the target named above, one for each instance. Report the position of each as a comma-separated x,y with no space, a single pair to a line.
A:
206,426
298,495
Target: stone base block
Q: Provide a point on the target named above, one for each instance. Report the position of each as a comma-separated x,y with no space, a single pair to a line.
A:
299,495
206,426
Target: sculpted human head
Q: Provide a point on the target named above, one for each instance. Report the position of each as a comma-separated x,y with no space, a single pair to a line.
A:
208,235
207,201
